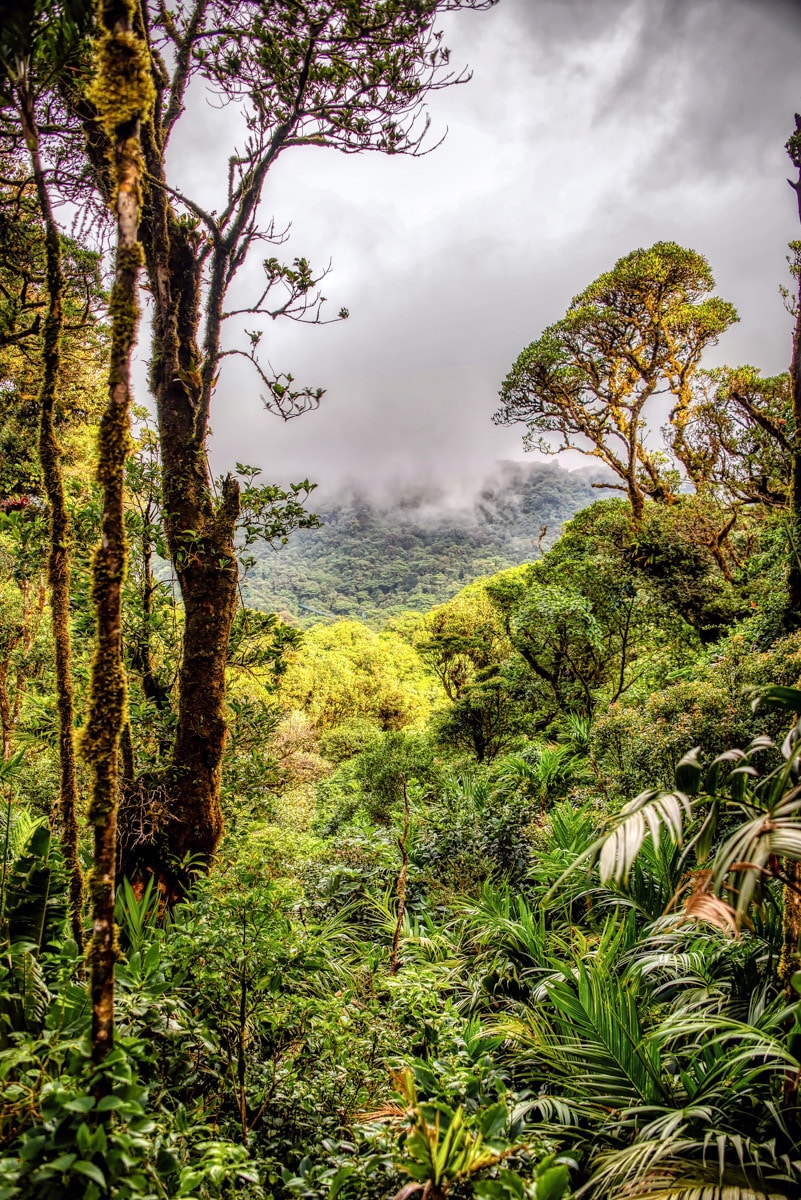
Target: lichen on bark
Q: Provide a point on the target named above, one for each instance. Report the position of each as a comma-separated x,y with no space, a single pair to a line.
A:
58,564
122,93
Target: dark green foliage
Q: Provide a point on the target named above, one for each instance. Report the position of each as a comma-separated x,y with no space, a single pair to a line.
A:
641,745
389,766
33,916
481,720
373,558
671,552
26,888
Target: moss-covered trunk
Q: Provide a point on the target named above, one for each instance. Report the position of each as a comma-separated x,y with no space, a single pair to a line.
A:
199,528
58,563
209,589
122,92
794,570
793,611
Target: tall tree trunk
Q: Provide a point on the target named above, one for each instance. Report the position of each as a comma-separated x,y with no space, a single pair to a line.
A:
793,610
209,589
140,646
400,888
58,563
123,94
200,534
6,719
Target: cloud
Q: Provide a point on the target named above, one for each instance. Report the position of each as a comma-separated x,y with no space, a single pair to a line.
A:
712,74
590,127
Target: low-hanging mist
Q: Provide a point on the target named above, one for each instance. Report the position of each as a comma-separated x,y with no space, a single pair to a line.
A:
415,545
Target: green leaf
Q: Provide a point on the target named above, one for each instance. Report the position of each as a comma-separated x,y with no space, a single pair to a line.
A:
31,1147
493,1120
91,1171
688,773
62,1163
339,1180
508,1186
782,697
552,1184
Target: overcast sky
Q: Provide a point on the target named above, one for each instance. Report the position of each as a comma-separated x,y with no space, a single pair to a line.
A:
589,128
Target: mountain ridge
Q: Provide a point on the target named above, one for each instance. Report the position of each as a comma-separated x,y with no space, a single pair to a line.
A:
373,557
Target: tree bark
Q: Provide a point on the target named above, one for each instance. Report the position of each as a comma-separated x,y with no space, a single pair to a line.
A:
200,534
199,528
209,590
58,563
122,92
403,846
793,610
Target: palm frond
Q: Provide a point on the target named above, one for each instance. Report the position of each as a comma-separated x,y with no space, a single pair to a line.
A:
742,861
716,1167
649,813
589,1037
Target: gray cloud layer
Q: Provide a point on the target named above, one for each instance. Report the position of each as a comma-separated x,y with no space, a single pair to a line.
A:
590,127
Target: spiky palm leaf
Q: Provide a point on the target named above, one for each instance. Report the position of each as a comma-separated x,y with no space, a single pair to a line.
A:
654,880
649,813
638,1068
728,790
686,964
505,945
540,775
586,1034
572,829
683,1168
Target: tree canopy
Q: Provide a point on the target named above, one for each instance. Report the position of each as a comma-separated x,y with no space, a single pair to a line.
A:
639,330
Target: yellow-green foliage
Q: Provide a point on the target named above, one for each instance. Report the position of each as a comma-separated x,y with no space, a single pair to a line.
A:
346,670
25,644
122,89
640,744
464,636
471,613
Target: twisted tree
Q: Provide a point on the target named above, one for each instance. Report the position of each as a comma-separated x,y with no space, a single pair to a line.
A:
352,76
586,383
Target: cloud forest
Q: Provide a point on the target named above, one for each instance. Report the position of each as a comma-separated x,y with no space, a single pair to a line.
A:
379,844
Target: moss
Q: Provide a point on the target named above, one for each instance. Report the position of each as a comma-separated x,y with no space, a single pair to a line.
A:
123,94
122,90
58,567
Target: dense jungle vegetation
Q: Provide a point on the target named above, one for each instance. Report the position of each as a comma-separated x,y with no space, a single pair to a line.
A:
371,558
497,897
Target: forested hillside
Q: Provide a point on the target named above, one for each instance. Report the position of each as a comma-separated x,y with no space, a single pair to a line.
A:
488,883
370,557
